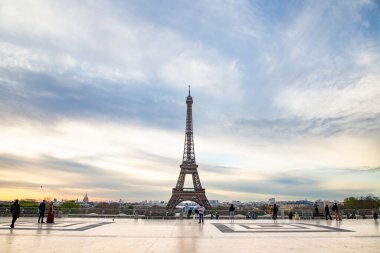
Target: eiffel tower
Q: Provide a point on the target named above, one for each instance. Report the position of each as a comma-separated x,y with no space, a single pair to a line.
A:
188,166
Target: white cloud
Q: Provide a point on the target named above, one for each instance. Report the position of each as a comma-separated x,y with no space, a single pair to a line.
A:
123,49
359,99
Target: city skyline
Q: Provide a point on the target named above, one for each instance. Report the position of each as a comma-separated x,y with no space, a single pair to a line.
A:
286,98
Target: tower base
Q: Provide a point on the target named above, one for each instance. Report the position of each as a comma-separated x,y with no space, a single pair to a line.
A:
178,196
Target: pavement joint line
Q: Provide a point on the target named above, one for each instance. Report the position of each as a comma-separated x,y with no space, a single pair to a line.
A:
55,224
367,236
59,228
294,227
226,229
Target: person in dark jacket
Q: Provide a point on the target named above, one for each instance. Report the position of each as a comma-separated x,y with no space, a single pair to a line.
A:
41,210
327,212
15,210
232,213
336,211
275,211
374,212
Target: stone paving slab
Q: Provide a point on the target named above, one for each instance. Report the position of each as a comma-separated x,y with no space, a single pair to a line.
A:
128,235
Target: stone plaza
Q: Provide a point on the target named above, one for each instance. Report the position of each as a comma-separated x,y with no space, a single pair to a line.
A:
139,235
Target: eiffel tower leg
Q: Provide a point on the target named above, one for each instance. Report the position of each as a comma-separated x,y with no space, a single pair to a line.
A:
196,181
181,181
173,202
202,199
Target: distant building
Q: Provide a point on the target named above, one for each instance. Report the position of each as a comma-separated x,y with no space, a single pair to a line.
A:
214,203
85,199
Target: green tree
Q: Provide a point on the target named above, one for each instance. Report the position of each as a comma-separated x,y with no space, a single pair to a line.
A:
28,203
70,204
363,202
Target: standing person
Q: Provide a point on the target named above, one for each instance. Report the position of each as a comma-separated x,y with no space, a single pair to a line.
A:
374,212
327,212
50,217
275,211
291,215
232,213
201,211
316,209
196,214
41,211
336,211
15,210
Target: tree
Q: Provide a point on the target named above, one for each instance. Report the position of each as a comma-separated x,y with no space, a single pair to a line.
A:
70,204
28,203
363,202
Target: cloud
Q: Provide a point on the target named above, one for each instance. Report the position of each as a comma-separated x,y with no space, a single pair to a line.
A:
366,169
137,51
355,100
60,177
277,87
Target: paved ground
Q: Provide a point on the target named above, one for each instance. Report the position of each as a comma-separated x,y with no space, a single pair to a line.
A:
126,235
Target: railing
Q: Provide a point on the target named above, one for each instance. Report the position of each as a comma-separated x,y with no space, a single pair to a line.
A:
146,213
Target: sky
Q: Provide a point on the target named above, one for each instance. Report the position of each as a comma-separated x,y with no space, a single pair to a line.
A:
286,98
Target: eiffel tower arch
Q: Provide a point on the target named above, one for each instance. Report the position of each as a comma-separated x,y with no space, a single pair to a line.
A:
188,167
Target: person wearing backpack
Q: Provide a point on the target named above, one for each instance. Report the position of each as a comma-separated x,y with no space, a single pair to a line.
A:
15,210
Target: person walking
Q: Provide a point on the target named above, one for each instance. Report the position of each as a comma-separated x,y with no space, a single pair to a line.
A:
201,211
327,212
232,213
275,211
290,215
15,210
336,211
50,217
41,211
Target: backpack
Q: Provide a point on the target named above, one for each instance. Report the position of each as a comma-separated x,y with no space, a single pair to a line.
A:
13,207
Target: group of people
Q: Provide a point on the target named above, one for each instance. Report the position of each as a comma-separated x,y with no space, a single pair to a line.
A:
16,210
41,211
201,210
334,208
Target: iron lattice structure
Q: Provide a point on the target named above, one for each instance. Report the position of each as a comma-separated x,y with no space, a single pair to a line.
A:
188,167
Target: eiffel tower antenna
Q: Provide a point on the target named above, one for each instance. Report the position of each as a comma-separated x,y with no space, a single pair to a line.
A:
188,167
